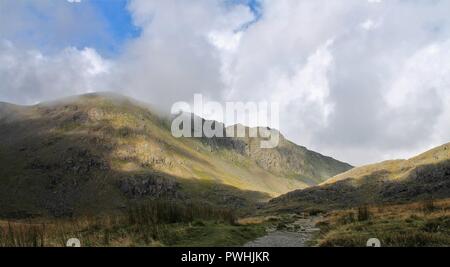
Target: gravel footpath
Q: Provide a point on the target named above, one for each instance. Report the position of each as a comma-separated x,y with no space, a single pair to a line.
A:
304,231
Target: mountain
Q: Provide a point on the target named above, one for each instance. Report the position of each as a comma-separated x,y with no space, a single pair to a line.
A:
97,152
422,177
285,160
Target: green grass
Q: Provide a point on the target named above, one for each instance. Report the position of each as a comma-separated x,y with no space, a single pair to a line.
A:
157,223
100,233
395,233
212,234
396,226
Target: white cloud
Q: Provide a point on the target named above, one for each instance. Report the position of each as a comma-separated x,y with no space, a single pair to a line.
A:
305,93
343,110
369,25
419,97
181,50
358,80
28,75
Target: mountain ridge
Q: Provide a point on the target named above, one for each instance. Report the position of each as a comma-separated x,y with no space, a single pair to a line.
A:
96,151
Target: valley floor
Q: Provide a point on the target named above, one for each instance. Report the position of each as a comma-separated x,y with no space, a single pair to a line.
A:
421,224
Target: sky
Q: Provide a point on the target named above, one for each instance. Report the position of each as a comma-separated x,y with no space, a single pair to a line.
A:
360,80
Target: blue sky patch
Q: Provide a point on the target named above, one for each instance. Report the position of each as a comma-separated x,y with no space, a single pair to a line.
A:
119,23
255,7
105,25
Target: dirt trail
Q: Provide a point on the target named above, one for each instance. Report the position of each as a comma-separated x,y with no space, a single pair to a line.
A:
297,234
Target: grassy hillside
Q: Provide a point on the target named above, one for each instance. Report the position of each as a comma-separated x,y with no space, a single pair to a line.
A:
422,177
397,169
420,224
98,152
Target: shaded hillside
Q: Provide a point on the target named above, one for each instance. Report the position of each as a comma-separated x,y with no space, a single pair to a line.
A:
98,152
422,177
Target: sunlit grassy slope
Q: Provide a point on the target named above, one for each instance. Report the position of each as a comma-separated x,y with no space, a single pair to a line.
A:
397,169
96,152
422,177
